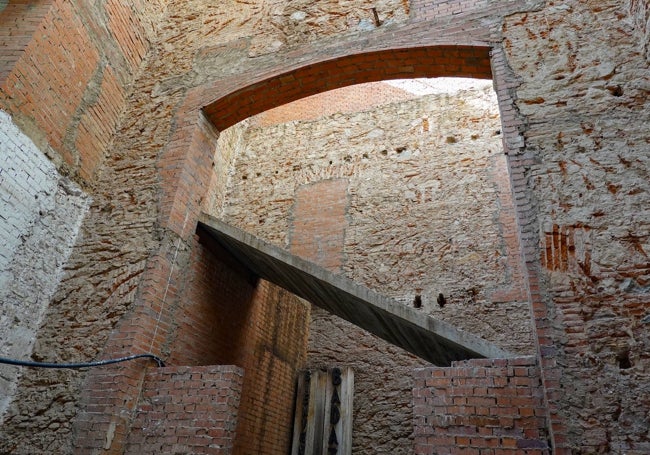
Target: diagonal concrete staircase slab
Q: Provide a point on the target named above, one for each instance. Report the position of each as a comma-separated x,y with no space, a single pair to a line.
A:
433,340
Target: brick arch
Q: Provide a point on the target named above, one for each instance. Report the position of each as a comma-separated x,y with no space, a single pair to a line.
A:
357,68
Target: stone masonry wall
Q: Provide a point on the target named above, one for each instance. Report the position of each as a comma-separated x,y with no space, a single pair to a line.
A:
228,316
66,91
40,215
125,82
640,16
359,191
438,160
584,91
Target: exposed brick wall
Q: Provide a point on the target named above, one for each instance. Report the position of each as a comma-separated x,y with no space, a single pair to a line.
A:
217,301
509,227
345,99
352,191
97,125
67,91
187,410
228,316
18,22
54,71
319,222
62,55
272,349
480,407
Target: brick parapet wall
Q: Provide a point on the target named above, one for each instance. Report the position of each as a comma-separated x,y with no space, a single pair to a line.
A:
187,410
491,406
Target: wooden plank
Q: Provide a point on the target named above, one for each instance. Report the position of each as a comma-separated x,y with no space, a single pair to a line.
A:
324,413
314,442
347,395
301,411
325,430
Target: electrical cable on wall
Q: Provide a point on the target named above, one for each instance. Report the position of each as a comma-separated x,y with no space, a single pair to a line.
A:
25,363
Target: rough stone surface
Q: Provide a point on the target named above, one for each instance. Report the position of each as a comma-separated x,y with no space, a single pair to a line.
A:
274,24
107,89
431,227
584,90
40,215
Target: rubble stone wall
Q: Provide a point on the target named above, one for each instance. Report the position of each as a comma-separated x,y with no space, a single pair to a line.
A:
111,93
584,93
408,199
40,215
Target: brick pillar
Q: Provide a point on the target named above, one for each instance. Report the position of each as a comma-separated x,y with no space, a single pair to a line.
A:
505,83
110,396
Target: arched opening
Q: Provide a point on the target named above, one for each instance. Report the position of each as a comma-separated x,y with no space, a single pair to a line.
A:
273,90
342,72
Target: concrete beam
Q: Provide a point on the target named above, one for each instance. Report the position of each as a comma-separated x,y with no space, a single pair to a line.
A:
419,333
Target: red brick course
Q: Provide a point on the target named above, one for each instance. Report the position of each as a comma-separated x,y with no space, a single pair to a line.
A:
187,410
492,406
18,22
345,99
327,74
49,80
318,228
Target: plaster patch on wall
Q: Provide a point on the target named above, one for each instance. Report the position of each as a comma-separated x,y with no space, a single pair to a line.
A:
40,216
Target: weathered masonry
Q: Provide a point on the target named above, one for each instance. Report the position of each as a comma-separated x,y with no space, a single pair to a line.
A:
111,117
